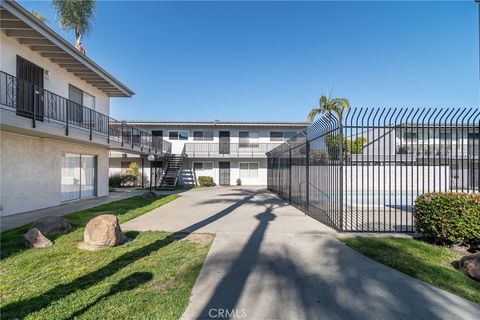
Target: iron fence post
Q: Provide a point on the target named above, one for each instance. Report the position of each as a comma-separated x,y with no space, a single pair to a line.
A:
341,176
122,132
91,124
67,116
307,173
34,124
131,136
289,175
108,129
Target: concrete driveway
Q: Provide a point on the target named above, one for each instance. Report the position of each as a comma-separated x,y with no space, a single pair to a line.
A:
270,261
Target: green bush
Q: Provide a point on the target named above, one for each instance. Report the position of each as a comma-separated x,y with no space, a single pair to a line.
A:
115,180
129,179
206,181
448,218
350,146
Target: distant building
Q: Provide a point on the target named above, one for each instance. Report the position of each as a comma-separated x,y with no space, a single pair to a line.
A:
223,150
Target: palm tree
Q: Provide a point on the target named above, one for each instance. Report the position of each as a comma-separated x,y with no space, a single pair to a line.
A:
76,15
327,105
39,16
336,106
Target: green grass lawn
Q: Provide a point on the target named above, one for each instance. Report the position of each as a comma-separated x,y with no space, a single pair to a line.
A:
421,260
150,277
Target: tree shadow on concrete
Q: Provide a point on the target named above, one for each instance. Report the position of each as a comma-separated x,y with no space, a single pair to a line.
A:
22,308
230,288
344,285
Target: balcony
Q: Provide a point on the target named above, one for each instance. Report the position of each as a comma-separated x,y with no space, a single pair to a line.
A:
228,150
24,102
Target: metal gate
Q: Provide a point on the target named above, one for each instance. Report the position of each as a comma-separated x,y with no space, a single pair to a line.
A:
224,173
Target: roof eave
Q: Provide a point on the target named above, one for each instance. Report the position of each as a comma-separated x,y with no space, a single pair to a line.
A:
55,38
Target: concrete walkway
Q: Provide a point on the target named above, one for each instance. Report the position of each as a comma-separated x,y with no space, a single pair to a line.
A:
17,220
270,261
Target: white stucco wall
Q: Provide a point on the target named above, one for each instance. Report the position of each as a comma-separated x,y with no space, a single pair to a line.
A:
58,79
31,171
263,135
234,171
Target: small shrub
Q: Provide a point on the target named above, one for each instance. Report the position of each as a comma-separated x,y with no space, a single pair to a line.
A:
129,179
239,182
133,170
115,180
448,218
206,181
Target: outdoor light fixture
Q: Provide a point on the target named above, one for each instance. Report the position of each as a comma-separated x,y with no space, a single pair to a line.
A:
151,158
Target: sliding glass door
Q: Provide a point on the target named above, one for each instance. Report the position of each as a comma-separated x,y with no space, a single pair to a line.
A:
78,176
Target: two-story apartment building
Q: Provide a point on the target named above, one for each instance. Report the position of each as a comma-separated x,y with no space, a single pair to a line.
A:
223,150
54,117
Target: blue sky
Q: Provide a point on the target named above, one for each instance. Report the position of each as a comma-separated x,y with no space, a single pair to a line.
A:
273,60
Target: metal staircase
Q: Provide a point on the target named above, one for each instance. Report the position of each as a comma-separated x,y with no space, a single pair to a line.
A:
172,171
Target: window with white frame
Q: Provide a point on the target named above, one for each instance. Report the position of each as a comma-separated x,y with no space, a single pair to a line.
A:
281,136
248,170
203,166
203,135
248,138
178,135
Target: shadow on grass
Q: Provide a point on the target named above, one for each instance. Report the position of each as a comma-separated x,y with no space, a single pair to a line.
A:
22,308
11,241
420,260
131,282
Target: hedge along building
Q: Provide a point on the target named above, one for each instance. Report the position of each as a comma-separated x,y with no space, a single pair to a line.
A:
223,150
405,152
54,116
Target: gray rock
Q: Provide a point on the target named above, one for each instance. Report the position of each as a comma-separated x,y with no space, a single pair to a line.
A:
102,232
470,265
52,224
149,195
34,238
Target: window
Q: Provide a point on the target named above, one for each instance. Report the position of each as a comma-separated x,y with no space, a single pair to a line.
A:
157,133
281,136
248,138
178,135
89,101
276,136
410,135
203,135
203,166
445,135
248,170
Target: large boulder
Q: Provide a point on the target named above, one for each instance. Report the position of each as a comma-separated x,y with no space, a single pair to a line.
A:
34,238
52,224
149,195
102,232
470,265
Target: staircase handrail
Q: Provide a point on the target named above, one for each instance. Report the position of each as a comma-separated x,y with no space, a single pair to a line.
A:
177,175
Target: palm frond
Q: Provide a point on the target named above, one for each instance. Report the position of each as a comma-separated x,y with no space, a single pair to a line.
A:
312,114
76,15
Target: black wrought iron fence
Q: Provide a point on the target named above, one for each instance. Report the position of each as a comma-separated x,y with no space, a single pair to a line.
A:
365,174
32,101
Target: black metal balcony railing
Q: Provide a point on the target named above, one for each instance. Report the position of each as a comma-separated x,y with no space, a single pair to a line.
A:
32,101
227,149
